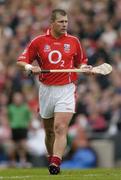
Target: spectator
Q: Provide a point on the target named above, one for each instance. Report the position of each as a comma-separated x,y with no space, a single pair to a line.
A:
19,117
35,143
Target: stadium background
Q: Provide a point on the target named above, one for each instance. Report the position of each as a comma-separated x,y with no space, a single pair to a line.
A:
97,123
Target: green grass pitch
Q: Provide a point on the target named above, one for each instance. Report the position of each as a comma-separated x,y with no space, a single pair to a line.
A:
42,174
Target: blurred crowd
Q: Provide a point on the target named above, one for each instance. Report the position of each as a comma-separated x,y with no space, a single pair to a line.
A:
98,111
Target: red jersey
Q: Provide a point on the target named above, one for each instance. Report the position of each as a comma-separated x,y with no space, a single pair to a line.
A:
63,53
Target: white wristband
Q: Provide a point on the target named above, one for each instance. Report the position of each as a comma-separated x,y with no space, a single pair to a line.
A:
28,67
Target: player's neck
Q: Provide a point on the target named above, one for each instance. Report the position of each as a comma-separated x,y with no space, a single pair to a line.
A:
55,35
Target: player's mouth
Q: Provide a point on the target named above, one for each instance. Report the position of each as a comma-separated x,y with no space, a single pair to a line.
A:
64,29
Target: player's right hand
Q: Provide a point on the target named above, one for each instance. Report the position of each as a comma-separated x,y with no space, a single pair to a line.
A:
35,69
30,69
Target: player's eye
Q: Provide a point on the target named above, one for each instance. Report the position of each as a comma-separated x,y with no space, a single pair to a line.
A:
62,21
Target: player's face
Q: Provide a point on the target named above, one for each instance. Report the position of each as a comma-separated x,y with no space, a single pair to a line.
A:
60,25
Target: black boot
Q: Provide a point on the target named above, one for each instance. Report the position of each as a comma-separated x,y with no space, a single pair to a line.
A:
53,169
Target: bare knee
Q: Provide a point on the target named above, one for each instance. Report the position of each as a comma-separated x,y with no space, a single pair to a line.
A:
48,127
49,133
60,129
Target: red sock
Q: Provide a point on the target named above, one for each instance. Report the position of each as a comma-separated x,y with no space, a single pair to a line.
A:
55,160
49,158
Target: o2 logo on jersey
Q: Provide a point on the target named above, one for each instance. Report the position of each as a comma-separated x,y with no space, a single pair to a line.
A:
55,57
58,54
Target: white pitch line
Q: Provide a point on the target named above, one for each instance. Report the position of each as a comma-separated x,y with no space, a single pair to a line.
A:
44,176
16,177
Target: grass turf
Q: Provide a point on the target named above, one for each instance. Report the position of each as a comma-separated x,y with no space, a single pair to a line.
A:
42,174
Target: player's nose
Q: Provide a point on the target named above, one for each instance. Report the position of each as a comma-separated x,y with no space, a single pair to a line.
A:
64,23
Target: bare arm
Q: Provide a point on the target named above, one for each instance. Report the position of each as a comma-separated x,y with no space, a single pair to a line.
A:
28,67
21,64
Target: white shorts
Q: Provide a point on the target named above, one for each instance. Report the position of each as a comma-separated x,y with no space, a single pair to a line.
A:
56,99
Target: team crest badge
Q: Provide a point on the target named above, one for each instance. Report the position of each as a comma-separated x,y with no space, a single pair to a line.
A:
47,48
67,47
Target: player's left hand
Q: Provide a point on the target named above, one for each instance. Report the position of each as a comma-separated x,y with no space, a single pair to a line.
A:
87,68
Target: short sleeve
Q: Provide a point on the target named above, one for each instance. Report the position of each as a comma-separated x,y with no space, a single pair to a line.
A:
80,56
29,54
